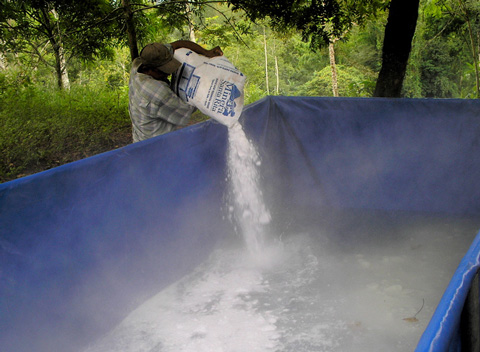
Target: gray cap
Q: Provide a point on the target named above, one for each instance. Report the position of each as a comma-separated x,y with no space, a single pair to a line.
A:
159,56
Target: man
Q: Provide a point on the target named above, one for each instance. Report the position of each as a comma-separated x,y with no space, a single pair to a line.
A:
154,108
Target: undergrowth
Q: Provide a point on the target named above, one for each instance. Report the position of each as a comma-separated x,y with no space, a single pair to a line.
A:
42,128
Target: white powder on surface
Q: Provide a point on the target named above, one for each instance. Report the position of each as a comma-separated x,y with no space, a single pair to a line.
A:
212,309
305,295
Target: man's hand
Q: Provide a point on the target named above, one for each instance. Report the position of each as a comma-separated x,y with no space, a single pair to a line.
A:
214,52
197,48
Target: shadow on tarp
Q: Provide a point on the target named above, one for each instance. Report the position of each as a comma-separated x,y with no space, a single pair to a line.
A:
82,244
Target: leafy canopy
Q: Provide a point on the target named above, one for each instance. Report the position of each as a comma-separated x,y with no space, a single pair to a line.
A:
319,21
83,26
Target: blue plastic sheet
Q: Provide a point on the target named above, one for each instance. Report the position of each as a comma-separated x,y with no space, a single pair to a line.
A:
442,334
82,244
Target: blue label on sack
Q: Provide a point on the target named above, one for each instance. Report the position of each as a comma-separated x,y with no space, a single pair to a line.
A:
188,82
230,104
224,102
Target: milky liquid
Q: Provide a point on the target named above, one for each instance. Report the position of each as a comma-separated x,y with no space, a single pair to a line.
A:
306,293
246,199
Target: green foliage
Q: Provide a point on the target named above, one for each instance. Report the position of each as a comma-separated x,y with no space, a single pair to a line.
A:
217,32
79,26
363,46
318,21
294,58
449,42
297,63
437,71
351,83
103,73
43,128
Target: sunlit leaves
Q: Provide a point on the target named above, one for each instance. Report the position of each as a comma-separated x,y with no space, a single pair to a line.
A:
318,21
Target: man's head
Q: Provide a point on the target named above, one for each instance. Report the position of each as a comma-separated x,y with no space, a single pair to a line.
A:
158,56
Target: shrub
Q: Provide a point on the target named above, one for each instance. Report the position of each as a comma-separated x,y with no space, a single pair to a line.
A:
42,128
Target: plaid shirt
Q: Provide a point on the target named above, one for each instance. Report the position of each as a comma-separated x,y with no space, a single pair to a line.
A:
154,108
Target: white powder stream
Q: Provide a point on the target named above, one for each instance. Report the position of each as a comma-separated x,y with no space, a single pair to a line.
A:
248,208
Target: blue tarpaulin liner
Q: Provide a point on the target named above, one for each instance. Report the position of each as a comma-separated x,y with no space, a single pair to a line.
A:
84,243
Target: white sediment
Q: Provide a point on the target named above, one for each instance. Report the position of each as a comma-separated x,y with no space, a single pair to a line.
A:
307,294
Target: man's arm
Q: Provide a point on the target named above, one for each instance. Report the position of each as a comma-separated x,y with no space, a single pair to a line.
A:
197,48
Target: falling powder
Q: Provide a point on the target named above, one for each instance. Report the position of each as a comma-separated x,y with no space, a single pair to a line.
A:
247,206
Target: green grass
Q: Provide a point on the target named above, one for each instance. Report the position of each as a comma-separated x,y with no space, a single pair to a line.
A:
42,128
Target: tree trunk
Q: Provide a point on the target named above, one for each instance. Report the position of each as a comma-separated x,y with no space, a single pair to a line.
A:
191,29
397,44
63,68
3,62
191,33
277,76
266,60
63,81
131,32
333,66
62,73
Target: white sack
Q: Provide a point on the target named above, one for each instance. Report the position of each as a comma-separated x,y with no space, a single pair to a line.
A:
213,85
